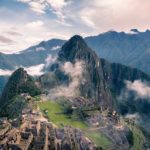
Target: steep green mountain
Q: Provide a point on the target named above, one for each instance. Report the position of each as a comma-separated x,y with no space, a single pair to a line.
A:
19,82
94,86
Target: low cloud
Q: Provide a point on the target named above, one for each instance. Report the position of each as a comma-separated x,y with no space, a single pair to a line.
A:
35,70
5,72
134,117
50,60
75,73
141,89
55,48
40,49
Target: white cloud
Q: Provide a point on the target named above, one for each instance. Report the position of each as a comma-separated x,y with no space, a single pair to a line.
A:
50,60
35,70
40,49
88,21
57,4
37,6
132,116
41,6
5,72
35,24
140,88
136,117
55,48
75,72
98,13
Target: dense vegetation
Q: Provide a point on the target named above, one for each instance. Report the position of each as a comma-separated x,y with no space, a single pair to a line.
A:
14,109
19,82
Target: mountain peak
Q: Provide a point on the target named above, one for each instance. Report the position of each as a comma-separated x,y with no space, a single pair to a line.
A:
94,87
19,70
135,30
77,38
76,41
75,48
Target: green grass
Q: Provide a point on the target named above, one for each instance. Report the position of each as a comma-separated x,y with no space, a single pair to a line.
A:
99,139
37,98
138,137
53,108
61,119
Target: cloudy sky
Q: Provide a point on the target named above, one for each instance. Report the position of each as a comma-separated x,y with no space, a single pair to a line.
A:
27,22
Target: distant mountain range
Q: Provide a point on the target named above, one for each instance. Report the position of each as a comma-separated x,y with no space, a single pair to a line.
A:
34,55
131,49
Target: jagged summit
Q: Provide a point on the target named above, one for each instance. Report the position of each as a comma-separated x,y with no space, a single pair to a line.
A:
94,86
77,39
75,48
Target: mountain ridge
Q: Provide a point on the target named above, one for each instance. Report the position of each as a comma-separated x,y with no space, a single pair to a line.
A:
130,49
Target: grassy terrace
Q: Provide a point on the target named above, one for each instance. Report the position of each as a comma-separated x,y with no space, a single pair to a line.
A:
138,137
99,139
54,114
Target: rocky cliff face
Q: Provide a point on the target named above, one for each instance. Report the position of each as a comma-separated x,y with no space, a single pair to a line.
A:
94,86
115,75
